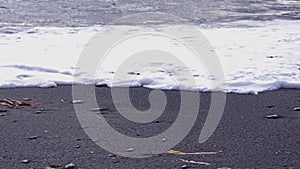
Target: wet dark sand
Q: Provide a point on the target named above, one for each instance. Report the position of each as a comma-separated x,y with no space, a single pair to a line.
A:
76,13
245,138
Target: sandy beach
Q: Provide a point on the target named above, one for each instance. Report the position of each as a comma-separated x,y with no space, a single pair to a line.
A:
42,44
50,134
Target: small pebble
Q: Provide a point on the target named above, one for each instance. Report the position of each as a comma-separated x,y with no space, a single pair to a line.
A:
111,155
77,146
91,152
184,166
273,116
101,112
296,109
103,85
49,168
129,149
163,140
4,7
115,160
3,110
131,73
95,139
224,168
38,112
41,110
98,109
55,165
32,137
25,161
26,99
2,114
70,166
77,101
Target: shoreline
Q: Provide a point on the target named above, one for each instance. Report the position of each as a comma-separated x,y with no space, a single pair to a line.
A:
50,133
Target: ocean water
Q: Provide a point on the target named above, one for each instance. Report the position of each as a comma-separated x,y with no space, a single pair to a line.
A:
257,45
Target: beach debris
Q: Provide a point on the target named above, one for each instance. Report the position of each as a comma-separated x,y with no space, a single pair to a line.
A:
77,101
224,168
272,116
25,161
195,153
70,166
2,114
195,162
2,110
32,137
271,106
296,109
13,104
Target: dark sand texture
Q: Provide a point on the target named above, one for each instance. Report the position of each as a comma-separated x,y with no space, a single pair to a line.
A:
245,137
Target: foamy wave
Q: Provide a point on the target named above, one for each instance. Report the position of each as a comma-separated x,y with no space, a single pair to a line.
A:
255,56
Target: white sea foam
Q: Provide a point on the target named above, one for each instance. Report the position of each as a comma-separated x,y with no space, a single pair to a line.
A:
255,56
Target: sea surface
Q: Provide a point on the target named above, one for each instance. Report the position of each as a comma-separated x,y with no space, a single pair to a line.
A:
257,43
